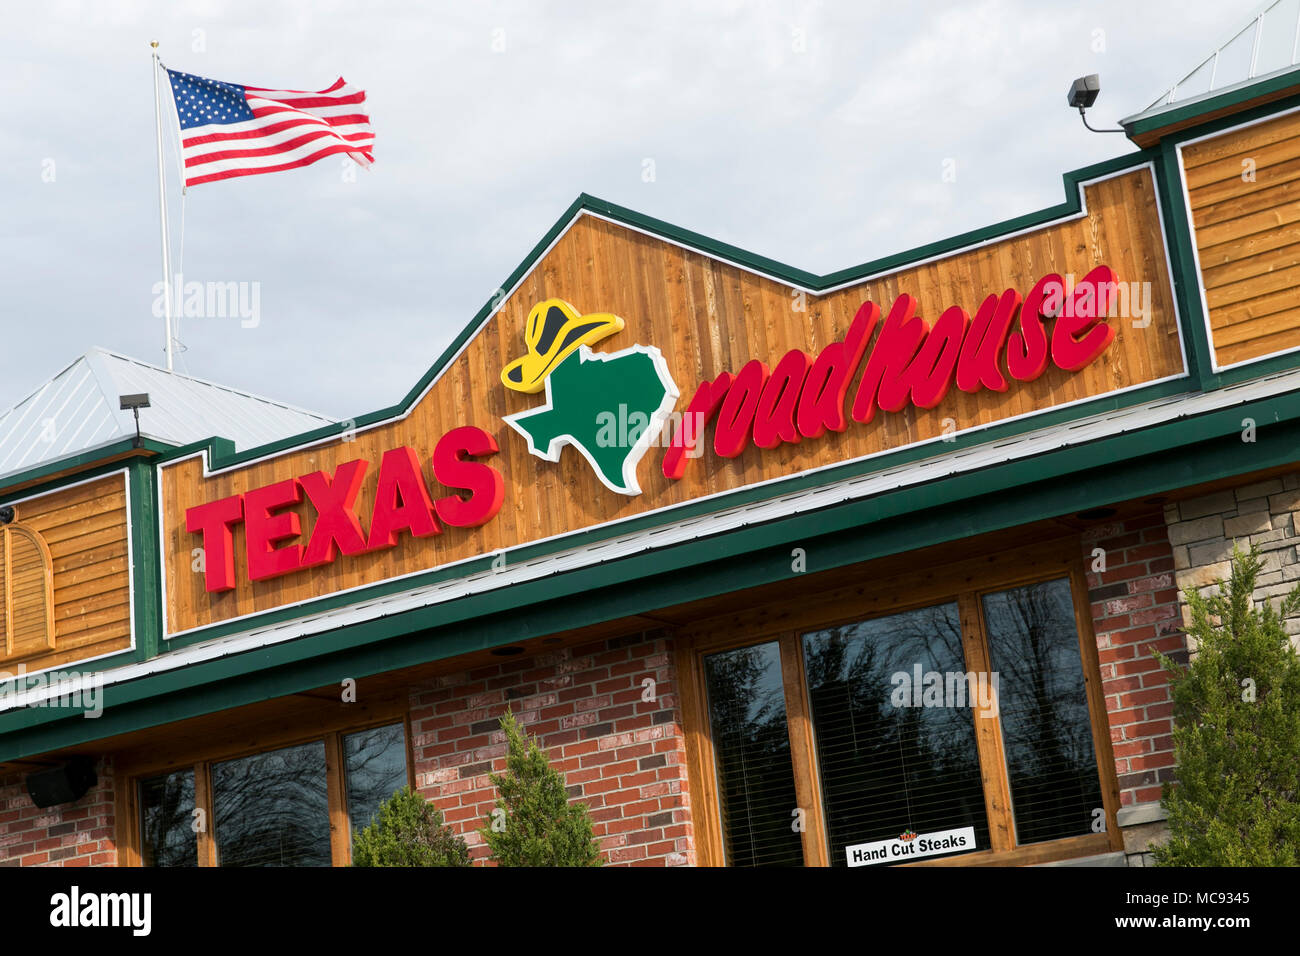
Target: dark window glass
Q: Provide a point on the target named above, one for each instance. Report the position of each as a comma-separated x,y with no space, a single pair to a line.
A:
1046,731
167,836
752,747
272,809
375,761
888,765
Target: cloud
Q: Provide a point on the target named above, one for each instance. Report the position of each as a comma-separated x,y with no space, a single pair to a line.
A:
814,133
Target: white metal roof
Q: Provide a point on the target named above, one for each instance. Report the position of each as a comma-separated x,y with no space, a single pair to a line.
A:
1268,44
78,410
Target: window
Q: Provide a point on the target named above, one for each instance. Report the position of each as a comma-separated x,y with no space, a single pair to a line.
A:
167,834
889,763
375,766
752,750
295,805
1051,762
950,722
272,809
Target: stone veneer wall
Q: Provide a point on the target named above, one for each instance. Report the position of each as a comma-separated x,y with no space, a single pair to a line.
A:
1202,532
1264,513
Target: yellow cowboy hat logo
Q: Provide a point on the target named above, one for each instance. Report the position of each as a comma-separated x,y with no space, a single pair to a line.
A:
554,330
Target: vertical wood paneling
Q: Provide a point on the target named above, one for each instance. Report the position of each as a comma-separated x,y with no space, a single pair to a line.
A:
706,317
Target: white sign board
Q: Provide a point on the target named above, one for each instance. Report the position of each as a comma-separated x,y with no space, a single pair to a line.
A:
901,850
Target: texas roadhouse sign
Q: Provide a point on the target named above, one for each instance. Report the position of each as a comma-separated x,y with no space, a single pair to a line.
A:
612,407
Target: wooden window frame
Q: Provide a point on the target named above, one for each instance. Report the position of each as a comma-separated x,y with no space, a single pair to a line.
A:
129,777
963,582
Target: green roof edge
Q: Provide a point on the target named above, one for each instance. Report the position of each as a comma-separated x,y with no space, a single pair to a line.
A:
1136,125
221,455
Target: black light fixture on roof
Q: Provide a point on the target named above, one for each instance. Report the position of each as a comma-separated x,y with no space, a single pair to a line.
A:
135,402
1083,93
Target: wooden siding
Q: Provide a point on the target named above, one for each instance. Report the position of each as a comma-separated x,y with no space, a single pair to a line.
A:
1247,222
706,317
85,531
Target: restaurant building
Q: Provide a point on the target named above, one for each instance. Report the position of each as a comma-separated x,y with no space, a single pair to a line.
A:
779,568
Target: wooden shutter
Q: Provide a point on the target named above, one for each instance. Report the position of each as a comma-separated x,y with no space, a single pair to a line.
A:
27,586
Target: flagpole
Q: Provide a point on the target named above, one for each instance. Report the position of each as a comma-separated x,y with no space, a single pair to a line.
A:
162,207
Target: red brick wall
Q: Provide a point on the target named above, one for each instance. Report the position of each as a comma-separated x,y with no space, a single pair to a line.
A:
624,757
1135,611
73,834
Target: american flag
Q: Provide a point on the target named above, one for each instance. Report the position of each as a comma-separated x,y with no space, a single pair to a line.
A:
230,130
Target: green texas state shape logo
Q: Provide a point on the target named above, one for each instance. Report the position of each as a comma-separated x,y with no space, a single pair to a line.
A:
609,406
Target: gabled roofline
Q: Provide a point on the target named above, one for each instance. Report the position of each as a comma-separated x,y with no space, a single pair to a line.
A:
114,447
219,453
100,351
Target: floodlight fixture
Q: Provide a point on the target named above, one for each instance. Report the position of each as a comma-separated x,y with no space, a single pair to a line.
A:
135,402
1083,93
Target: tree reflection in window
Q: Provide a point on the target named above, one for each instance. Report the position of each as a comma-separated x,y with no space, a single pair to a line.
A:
751,746
1046,732
167,836
272,809
375,761
887,769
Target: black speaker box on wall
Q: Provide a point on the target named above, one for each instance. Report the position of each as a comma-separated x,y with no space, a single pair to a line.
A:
62,784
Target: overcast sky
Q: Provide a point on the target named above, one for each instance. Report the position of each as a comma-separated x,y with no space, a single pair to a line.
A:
812,132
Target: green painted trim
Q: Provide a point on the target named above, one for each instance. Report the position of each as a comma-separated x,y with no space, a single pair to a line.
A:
1140,126
145,566
1254,114
688,510
146,570
222,454
1183,270
1072,205
1182,265
78,468
221,457
1136,465
1177,224
1256,368
937,512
